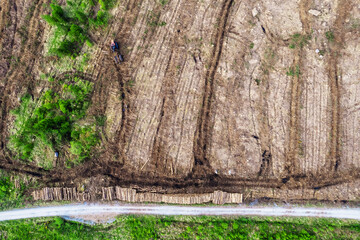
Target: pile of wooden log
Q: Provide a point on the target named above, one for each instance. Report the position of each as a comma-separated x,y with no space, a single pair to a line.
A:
130,195
58,194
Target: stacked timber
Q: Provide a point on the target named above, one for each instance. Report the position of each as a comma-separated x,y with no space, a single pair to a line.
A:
125,194
130,195
60,194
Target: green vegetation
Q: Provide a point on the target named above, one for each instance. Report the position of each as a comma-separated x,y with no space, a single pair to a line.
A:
100,120
293,71
252,45
163,2
355,24
72,23
182,227
330,36
270,59
153,20
10,196
322,52
298,40
45,125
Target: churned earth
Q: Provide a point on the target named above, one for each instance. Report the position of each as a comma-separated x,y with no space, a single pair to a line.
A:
241,96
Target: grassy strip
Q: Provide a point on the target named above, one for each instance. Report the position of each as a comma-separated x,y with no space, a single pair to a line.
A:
56,119
11,196
183,227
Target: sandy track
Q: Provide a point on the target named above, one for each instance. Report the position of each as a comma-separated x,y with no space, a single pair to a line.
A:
99,209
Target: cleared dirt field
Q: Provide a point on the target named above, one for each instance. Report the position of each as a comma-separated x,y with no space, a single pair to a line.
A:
227,95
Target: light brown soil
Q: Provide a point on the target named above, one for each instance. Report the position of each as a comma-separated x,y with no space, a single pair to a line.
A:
204,102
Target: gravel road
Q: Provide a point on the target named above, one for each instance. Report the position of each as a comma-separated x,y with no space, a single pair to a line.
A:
102,209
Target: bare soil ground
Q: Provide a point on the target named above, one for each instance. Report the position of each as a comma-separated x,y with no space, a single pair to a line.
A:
205,102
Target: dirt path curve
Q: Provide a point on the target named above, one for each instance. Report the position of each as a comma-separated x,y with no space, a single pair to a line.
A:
102,209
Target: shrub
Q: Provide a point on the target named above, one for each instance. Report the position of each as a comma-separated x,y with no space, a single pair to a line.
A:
50,20
66,48
58,13
73,23
84,138
101,19
103,4
81,17
51,121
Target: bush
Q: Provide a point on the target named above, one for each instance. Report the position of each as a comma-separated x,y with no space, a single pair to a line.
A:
73,23
58,14
103,4
81,17
50,20
51,121
84,138
101,19
66,48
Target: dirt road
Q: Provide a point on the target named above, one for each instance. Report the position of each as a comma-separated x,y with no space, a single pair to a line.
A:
101,209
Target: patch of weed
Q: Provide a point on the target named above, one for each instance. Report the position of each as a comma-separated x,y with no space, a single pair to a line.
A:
330,36
298,40
10,195
153,20
293,71
163,2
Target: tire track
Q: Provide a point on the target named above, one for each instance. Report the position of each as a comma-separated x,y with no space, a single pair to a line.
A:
106,64
344,8
158,156
164,108
162,161
292,166
266,167
124,78
203,131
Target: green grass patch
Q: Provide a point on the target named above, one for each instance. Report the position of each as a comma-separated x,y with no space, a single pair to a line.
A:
163,2
299,41
293,71
184,227
11,196
330,36
57,118
153,20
